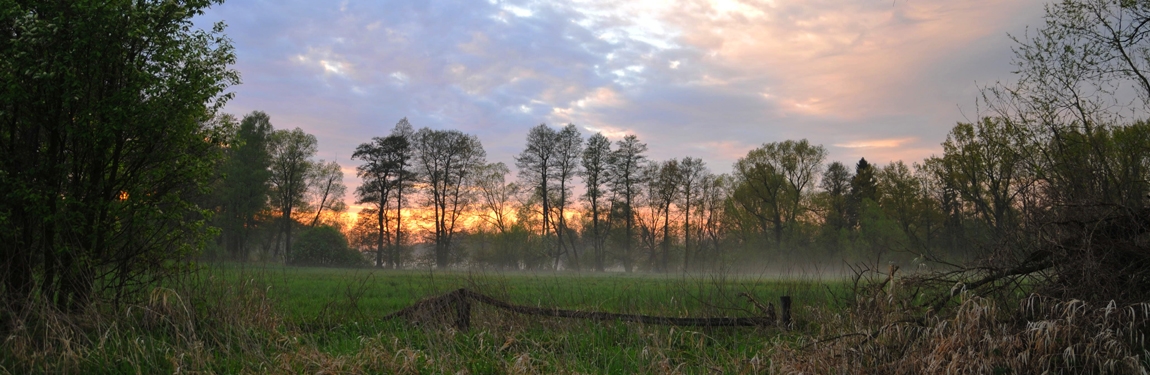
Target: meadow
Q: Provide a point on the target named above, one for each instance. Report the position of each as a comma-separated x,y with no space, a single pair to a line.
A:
249,318
237,318
338,311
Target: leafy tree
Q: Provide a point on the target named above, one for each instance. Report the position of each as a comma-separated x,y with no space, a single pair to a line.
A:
106,144
626,178
291,153
324,246
596,168
245,183
863,188
984,164
835,183
775,181
446,160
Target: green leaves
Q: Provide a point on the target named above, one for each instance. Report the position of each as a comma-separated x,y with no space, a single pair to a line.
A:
101,99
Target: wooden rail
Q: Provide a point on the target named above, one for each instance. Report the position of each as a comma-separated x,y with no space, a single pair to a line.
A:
459,302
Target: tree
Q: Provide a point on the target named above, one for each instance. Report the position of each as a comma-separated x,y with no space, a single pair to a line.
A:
568,149
596,168
291,152
665,188
984,164
324,246
446,160
835,183
775,180
245,182
106,144
325,185
403,180
626,178
692,173
715,193
384,170
496,195
901,198
536,166
863,188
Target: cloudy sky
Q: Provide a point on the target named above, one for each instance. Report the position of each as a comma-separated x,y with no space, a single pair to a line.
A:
713,79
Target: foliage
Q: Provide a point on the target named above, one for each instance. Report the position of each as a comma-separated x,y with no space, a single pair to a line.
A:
244,189
324,246
107,143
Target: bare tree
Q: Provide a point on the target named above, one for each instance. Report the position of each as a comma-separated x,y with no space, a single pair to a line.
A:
665,192
569,147
626,181
692,171
536,166
596,168
325,185
496,195
445,160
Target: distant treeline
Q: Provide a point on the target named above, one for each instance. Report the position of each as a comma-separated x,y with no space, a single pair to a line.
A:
782,202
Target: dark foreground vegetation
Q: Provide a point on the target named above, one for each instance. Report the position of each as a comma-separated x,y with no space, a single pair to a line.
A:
1024,247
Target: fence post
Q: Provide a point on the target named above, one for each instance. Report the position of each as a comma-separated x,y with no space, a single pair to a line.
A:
785,317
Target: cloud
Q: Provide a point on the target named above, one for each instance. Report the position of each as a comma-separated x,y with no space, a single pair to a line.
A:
876,143
705,78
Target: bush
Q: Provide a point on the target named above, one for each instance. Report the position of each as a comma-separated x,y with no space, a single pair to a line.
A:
324,246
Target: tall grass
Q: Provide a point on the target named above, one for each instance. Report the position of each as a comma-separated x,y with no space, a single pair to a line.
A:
234,319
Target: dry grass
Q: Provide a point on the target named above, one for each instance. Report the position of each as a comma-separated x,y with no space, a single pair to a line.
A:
1040,336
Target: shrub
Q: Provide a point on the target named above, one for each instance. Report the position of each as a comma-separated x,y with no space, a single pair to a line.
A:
324,246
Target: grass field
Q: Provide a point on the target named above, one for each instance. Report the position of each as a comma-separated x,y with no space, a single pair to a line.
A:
230,318
304,293
336,312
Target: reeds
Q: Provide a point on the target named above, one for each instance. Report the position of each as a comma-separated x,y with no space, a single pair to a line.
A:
1041,336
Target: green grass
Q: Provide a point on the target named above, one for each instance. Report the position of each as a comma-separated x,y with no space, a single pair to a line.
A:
338,313
236,318
303,293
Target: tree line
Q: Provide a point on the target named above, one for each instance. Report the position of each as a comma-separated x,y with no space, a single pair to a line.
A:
587,203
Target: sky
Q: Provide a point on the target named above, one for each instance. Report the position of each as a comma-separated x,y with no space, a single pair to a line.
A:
712,79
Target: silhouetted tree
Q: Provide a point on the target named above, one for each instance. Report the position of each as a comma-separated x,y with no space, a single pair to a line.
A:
536,166
626,178
446,160
384,169
596,173
291,152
